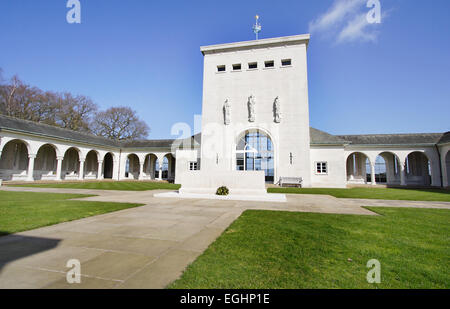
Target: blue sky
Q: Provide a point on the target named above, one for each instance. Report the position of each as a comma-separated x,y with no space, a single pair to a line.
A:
391,77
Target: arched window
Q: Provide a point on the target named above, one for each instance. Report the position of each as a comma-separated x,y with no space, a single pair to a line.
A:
254,152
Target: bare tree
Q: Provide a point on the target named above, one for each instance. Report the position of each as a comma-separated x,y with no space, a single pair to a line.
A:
120,123
45,109
68,111
8,101
74,112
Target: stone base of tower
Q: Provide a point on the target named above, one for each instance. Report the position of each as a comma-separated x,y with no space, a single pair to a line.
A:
238,182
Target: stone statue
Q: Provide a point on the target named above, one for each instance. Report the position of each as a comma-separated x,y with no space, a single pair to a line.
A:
277,110
226,112
251,108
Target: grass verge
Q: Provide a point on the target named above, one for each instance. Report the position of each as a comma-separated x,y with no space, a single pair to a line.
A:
287,250
374,193
21,211
108,185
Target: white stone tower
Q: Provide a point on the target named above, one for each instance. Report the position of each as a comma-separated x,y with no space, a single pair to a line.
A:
264,84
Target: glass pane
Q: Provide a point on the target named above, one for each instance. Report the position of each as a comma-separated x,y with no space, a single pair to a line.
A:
258,150
249,164
257,164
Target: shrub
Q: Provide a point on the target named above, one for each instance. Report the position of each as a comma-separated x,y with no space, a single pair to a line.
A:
222,191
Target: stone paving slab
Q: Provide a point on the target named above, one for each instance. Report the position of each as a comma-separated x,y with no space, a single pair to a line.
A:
268,197
16,277
86,283
142,247
165,270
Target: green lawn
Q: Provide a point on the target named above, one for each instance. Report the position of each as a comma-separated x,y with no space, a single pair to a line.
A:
21,211
270,249
108,185
374,193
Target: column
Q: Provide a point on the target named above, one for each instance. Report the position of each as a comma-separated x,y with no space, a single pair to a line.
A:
30,171
372,173
59,167
100,170
169,168
115,172
81,171
160,171
141,171
402,174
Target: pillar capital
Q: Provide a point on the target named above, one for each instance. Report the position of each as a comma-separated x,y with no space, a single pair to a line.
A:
59,158
32,156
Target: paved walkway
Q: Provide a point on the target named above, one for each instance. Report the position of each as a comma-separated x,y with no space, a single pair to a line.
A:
143,247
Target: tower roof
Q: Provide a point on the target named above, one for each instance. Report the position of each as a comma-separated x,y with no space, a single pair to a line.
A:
262,43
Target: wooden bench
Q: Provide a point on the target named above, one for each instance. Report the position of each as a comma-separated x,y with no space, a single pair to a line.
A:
291,181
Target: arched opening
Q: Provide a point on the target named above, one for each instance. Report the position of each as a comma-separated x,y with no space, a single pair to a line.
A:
387,169
108,166
150,166
14,161
358,168
418,169
380,170
168,167
255,152
447,165
45,163
91,165
132,166
71,164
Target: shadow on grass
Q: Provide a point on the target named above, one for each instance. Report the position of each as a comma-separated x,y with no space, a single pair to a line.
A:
15,247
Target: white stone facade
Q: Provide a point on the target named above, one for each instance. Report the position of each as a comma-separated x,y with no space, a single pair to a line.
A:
255,117
287,84
241,93
25,157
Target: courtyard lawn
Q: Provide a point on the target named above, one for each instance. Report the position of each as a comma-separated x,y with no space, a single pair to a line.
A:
21,211
374,193
108,185
270,249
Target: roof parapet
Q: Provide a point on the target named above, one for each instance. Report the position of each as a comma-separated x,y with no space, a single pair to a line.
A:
279,41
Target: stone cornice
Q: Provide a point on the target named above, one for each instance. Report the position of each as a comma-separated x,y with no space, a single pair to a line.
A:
271,42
